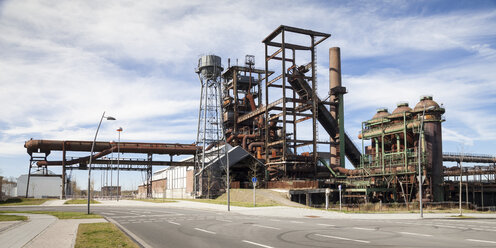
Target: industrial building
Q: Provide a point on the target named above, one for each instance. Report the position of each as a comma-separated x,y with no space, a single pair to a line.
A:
43,184
257,120
171,182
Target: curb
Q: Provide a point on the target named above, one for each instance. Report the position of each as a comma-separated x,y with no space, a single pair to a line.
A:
135,238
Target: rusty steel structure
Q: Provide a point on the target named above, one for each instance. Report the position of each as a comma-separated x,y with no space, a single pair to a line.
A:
39,150
266,110
398,141
267,123
274,113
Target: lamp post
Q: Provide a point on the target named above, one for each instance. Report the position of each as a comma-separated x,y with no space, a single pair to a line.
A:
118,161
460,194
420,160
110,118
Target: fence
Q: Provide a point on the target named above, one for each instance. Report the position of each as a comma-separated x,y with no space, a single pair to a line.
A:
402,207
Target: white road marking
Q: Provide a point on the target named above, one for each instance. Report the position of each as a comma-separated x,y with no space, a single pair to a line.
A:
481,241
253,243
274,220
362,228
203,230
416,234
446,226
174,223
297,222
480,229
142,216
269,227
407,223
469,221
341,238
325,225
226,220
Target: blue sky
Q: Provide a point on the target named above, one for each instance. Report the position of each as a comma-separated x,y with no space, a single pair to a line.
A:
63,63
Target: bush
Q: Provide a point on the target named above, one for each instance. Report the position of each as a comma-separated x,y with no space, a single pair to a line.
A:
12,200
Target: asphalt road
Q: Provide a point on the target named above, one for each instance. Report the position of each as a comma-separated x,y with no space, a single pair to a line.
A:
174,227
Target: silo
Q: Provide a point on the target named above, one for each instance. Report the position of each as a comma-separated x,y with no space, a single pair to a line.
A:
433,143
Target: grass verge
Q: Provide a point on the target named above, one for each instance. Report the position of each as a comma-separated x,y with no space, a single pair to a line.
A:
22,201
61,215
81,201
157,200
102,235
12,217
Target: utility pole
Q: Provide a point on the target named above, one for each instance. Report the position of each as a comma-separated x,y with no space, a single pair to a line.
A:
460,194
118,162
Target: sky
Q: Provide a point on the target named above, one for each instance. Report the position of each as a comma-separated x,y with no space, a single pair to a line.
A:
62,63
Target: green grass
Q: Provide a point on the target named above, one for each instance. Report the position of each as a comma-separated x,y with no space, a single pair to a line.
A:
22,201
102,235
12,217
156,200
81,201
61,215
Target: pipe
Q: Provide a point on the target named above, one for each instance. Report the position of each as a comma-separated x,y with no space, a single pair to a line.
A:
78,160
251,101
210,146
230,138
253,144
245,137
46,146
388,130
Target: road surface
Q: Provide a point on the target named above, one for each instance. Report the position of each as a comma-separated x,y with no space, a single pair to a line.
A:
180,227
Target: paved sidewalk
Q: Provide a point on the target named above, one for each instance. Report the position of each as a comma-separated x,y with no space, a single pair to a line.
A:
53,203
19,235
5,225
60,234
41,230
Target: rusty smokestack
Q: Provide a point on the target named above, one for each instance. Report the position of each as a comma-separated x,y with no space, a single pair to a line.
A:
334,81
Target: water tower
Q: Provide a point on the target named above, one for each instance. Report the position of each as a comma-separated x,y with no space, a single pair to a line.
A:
209,115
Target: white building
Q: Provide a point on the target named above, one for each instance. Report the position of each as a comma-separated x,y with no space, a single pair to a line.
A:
179,181
40,186
9,189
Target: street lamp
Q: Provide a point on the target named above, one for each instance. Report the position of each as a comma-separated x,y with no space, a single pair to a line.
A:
118,161
460,194
110,118
419,158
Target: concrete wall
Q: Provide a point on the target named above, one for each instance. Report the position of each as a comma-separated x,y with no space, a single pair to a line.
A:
177,182
178,185
9,189
40,186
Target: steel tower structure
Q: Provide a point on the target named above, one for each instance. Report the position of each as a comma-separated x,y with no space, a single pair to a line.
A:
210,130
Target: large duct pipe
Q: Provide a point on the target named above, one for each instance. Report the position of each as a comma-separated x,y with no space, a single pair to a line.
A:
334,81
